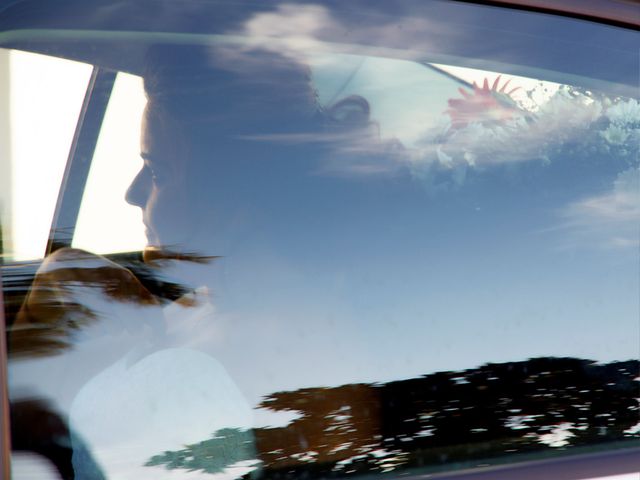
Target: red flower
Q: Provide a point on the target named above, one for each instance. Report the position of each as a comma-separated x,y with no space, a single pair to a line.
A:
485,105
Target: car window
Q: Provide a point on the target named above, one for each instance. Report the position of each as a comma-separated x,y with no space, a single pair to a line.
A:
315,242
106,222
37,130
38,127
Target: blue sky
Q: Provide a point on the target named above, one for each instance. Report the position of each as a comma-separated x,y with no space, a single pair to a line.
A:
375,277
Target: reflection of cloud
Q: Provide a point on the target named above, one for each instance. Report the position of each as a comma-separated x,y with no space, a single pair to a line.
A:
612,217
294,30
624,113
311,36
349,152
561,121
289,32
568,126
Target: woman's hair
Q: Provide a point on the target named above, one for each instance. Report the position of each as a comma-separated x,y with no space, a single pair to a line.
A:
212,93
246,93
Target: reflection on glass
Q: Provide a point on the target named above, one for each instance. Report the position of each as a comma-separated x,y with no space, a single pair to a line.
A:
116,159
40,118
468,416
354,264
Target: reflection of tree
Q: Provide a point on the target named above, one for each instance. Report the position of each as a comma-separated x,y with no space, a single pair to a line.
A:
494,410
45,309
229,446
333,421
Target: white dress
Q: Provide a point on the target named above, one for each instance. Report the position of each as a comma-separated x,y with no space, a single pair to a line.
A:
155,406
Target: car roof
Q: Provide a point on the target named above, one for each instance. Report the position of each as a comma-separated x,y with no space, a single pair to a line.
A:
117,33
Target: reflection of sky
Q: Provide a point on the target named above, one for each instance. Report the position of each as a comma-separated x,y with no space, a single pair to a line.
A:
376,278
330,279
363,278
409,97
388,283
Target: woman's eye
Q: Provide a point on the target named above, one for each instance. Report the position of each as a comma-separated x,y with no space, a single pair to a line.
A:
156,174
160,175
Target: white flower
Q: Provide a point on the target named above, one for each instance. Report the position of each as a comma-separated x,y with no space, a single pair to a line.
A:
624,112
615,134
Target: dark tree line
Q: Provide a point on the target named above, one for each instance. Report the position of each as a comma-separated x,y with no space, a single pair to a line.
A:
495,410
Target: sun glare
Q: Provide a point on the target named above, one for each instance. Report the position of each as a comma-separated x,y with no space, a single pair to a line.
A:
45,98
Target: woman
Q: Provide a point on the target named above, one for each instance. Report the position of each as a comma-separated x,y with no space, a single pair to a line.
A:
228,168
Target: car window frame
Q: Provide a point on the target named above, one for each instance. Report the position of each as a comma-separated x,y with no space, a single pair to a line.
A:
80,157
5,430
618,13
74,179
97,95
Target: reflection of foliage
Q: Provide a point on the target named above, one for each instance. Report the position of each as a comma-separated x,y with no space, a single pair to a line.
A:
472,415
457,416
229,446
575,129
333,421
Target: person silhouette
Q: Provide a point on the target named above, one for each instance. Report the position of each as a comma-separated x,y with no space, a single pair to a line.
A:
225,145
197,132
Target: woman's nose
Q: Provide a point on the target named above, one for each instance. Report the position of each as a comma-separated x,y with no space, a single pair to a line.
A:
138,192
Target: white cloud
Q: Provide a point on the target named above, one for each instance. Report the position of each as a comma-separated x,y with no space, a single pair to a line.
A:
296,30
310,36
611,219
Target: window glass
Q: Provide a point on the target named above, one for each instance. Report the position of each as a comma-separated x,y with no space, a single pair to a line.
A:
42,97
358,258
107,223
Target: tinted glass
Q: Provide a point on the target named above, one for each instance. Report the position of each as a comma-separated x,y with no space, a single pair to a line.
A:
377,241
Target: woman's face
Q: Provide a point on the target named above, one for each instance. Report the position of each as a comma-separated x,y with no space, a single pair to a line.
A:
160,188
186,198
200,189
